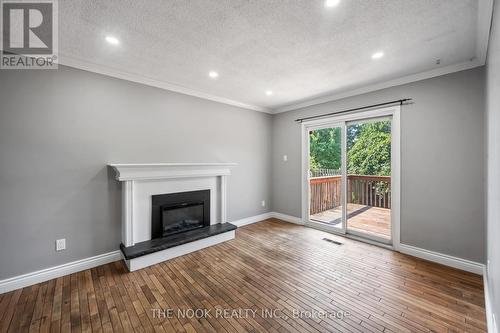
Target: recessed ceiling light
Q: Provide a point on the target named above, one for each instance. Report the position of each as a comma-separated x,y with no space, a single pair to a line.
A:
213,74
269,92
331,3
377,55
112,40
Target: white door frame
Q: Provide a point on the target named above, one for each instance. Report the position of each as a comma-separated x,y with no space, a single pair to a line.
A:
335,120
312,127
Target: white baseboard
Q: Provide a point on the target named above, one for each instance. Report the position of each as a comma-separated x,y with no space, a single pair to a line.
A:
444,259
490,317
50,273
440,258
265,216
251,219
43,275
46,274
287,218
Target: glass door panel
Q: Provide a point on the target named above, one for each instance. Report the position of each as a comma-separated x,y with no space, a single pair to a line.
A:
369,179
326,181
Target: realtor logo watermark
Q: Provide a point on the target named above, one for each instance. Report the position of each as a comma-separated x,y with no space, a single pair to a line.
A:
29,34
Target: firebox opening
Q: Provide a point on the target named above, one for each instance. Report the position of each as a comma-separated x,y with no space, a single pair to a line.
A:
176,213
181,217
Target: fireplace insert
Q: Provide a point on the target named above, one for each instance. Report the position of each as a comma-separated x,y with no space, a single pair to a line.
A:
181,217
176,213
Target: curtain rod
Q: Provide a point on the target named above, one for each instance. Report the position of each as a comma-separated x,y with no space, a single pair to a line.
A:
404,101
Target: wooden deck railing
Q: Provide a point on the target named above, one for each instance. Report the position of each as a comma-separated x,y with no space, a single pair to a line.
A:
364,190
369,190
325,193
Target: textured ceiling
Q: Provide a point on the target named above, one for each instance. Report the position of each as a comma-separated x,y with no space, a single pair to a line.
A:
297,49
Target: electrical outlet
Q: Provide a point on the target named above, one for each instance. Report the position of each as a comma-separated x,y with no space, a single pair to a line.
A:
263,203
61,244
285,158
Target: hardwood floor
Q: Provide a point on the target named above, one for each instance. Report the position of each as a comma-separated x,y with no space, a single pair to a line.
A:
354,287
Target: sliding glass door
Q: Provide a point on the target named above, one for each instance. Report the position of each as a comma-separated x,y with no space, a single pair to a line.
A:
326,176
369,178
348,175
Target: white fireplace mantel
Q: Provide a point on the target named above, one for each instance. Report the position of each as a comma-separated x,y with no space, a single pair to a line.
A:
141,181
125,172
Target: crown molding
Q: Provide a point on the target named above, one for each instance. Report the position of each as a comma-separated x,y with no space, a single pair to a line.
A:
116,73
381,85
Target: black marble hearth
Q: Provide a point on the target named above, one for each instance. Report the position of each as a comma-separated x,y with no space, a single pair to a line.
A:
159,244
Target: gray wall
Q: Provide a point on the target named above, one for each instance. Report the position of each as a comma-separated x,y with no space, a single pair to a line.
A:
493,162
59,129
442,145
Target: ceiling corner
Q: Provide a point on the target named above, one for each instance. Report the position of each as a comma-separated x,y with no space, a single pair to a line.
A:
484,17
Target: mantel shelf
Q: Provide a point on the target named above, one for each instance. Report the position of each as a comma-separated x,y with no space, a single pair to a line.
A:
147,171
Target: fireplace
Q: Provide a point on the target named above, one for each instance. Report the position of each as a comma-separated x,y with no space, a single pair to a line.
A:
175,213
177,194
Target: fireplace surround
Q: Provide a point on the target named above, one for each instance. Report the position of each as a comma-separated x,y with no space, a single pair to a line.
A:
144,188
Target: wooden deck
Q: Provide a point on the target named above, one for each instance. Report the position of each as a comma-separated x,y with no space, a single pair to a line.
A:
366,219
270,265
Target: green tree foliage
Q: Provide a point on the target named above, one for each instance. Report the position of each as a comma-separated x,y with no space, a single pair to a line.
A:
368,148
325,148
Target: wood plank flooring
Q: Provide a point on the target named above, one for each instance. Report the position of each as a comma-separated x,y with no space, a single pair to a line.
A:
273,268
